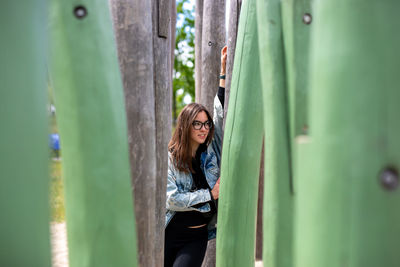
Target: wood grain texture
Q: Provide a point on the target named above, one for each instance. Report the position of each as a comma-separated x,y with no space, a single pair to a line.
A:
198,24
234,15
213,39
163,120
133,24
164,18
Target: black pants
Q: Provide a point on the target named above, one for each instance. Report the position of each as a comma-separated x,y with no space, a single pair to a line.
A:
185,247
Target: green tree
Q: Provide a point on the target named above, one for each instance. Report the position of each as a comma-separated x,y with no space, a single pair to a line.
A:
183,76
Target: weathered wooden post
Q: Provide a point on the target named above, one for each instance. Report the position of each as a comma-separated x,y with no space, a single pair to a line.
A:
24,230
162,11
198,24
241,151
348,194
234,13
212,41
143,33
209,40
173,37
92,123
134,34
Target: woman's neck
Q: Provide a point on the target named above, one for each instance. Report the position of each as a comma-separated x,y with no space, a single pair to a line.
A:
194,149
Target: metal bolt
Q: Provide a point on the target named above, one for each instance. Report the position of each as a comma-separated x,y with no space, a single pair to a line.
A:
307,18
80,12
389,178
209,43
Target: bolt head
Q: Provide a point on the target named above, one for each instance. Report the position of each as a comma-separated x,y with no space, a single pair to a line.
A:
389,179
307,18
80,12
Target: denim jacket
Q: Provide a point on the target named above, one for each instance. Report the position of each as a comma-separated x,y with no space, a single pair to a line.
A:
179,184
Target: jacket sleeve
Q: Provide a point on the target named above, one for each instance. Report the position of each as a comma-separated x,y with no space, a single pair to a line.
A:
177,200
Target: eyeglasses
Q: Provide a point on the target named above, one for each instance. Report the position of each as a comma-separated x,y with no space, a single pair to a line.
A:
197,125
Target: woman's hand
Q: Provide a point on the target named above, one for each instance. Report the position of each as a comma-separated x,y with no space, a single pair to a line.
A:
224,55
215,190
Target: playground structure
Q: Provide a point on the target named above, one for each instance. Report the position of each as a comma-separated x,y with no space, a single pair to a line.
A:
316,79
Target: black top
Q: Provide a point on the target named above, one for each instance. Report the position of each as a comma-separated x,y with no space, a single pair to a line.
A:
199,180
221,95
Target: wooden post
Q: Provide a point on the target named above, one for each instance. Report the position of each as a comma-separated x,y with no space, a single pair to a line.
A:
92,123
213,39
142,30
163,95
234,14
24,196
198,24
348,197
241,151
173,37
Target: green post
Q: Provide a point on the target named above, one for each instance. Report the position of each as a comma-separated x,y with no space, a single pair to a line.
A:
92,122
297,22
241,151
349,196
278,195
284,33
24,195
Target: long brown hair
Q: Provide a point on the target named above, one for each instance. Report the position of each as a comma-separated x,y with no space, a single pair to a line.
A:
180,143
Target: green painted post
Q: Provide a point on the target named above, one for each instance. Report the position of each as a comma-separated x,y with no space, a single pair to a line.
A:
297,23
241,151
278,198
284,33
92,123
24,196
349,196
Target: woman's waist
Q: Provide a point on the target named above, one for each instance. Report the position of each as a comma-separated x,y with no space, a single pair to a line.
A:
189,219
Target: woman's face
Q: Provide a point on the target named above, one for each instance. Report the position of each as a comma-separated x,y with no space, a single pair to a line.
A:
199,136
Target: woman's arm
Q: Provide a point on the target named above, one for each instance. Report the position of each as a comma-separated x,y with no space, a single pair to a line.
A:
219,109
224,55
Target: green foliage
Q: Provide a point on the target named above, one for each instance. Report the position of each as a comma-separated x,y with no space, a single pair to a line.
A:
183,78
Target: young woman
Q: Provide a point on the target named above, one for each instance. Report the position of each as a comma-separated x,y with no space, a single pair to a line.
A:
193,181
